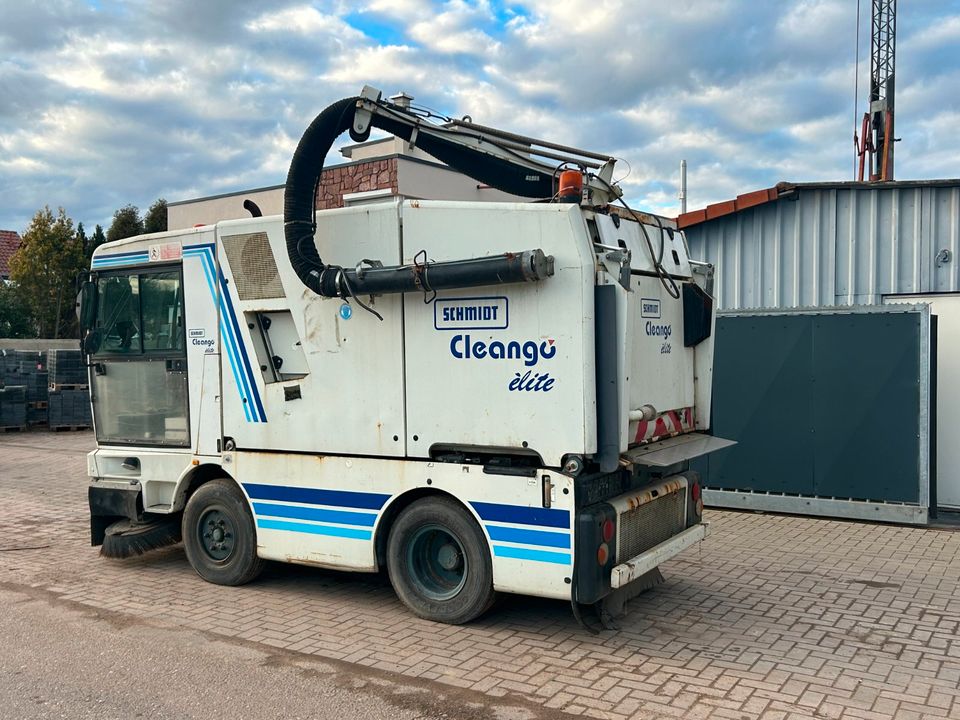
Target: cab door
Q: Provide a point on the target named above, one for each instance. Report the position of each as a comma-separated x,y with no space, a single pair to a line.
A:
139,386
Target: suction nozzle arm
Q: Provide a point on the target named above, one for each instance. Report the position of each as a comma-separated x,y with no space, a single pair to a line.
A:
503,163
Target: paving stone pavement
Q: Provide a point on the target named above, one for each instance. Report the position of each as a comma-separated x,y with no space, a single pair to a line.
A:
772,617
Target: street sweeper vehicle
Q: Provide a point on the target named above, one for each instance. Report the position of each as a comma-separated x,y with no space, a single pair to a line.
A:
477,397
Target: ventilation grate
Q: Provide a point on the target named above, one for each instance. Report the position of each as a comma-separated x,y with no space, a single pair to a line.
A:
650,524
254,269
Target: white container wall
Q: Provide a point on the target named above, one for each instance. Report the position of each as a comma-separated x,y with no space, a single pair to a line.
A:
835,244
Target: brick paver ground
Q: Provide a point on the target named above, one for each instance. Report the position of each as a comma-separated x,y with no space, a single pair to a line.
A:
772,617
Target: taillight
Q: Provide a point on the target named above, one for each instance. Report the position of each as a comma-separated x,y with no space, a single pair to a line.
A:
608,528
603,554
697,499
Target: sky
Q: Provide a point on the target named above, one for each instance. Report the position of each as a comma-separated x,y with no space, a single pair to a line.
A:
105,103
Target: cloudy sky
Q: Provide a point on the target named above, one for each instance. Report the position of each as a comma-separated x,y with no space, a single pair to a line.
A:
104,103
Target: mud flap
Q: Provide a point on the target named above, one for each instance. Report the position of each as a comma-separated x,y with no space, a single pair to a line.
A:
614,605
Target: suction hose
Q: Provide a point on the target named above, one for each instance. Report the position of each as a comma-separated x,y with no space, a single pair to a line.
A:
332,281
299,195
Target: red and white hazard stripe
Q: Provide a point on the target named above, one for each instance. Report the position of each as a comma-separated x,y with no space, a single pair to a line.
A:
666,424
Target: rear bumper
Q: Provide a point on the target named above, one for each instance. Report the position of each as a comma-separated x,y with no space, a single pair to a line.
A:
640,565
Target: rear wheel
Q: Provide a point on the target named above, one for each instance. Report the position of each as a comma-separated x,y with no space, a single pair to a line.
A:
438,562
219,534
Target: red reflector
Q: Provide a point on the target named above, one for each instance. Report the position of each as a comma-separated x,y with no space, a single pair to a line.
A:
608,528
695,491
603,554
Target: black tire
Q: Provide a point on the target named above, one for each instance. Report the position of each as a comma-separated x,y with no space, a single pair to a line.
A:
438,562
219,534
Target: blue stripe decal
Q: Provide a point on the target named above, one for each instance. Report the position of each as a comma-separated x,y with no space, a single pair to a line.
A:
315,496
205,253
241,378
243,351
120,259
201,246
516,553
208,273
229,326
230,330
529,537
343,532
233,341
546,517
130,253
343,517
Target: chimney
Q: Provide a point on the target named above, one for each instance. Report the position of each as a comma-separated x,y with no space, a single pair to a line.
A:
401,100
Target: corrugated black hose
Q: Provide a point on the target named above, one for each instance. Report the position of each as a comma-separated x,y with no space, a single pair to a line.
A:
333,281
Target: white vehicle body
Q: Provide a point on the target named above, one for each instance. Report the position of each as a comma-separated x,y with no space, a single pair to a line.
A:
479,396
364,410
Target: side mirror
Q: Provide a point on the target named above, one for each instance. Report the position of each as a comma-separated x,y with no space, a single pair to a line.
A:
88,306
90,338
91,342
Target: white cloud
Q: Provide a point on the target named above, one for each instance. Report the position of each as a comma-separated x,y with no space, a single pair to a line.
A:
304,20
133,101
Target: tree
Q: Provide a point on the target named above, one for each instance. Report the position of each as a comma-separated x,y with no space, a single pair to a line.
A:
44,269
97,239
84,240
14,313
126,223
156,218
93,242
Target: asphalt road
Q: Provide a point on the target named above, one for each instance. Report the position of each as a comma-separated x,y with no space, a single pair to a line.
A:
62,661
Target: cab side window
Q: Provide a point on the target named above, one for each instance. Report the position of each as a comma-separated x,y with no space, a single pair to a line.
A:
140,314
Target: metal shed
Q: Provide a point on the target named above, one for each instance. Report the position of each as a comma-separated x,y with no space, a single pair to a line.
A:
824,244
827,245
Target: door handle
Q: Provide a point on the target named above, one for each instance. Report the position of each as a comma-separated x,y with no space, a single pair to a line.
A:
176,365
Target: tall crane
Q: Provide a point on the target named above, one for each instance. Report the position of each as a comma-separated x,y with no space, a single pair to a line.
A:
876,135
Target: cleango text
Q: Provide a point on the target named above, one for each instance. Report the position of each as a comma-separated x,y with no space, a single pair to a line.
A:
463,347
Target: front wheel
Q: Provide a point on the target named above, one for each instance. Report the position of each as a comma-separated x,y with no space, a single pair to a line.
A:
219,534
438,562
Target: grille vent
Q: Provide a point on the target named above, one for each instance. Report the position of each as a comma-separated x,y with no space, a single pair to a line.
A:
650,524
254,269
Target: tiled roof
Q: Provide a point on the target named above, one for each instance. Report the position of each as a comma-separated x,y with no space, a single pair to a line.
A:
741,202
9,242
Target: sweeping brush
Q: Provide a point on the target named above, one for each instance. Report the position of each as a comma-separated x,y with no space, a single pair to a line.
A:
126,538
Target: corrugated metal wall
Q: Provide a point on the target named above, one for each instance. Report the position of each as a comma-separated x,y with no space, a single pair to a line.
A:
826,246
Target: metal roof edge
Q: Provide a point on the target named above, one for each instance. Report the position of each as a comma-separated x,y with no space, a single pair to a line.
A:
782,189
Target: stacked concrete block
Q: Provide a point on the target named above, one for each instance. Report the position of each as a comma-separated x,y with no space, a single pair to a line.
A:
69,408
66,367
13,407
9,368
43,387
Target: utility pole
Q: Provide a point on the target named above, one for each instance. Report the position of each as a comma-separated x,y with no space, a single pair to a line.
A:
682,195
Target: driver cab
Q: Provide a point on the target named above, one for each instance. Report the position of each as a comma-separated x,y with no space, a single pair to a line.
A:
135,343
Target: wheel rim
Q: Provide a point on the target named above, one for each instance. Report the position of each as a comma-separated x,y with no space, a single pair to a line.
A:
216,534
437,562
